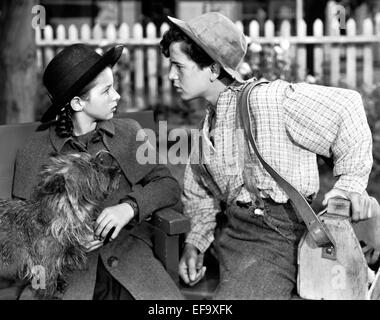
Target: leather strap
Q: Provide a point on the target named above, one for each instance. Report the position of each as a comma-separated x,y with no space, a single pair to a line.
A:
317,229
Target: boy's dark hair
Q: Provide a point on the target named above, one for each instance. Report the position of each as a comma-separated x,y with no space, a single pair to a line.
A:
189,47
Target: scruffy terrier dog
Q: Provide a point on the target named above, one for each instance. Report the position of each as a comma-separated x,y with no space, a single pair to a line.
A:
50,229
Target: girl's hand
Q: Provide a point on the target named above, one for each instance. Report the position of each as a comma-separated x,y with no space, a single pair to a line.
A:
92,244
116,216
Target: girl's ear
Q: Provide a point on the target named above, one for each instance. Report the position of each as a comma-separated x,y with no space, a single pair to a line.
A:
215,71
77,104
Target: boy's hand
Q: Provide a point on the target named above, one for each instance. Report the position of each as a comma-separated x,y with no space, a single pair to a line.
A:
362,205
191,267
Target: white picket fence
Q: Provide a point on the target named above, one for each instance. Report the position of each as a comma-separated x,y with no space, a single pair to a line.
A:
143,80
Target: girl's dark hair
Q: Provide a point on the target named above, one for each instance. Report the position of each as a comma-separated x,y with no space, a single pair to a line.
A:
189,47
64,124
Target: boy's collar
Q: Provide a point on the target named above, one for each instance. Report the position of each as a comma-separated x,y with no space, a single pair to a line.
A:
238,86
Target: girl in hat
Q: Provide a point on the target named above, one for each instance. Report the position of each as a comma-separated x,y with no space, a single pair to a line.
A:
81,118
257,245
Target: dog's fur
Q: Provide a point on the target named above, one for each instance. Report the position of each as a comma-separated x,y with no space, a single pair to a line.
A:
50,229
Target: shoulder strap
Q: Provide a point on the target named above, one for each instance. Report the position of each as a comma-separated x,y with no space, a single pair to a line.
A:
317,229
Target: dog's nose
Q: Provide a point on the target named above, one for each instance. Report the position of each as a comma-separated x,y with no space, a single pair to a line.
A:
113,262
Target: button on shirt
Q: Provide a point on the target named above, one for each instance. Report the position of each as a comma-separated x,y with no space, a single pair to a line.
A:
291,123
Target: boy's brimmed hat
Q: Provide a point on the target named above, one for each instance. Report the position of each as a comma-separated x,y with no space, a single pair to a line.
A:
219,37
71,70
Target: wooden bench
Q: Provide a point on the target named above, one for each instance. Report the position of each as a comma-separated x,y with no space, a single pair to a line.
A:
169,224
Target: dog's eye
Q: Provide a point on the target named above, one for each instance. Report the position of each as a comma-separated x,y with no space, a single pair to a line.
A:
105,160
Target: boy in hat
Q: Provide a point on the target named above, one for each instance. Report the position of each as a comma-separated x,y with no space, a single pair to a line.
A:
257,247
81,118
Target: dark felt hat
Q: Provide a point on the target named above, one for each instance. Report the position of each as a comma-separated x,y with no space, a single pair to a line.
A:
71,70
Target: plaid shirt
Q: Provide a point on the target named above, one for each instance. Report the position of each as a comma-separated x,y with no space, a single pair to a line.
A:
292,123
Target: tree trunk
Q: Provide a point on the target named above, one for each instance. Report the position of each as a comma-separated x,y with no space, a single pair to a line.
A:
18,68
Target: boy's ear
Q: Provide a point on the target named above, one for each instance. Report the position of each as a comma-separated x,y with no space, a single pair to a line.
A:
76,104
215,71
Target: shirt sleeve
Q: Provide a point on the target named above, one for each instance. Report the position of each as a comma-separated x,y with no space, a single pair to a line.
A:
332,121
201,206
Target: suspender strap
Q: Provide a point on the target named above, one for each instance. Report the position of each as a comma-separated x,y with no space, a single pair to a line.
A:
317,229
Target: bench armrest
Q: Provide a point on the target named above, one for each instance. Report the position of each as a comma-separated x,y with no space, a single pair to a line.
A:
170,221
169,225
